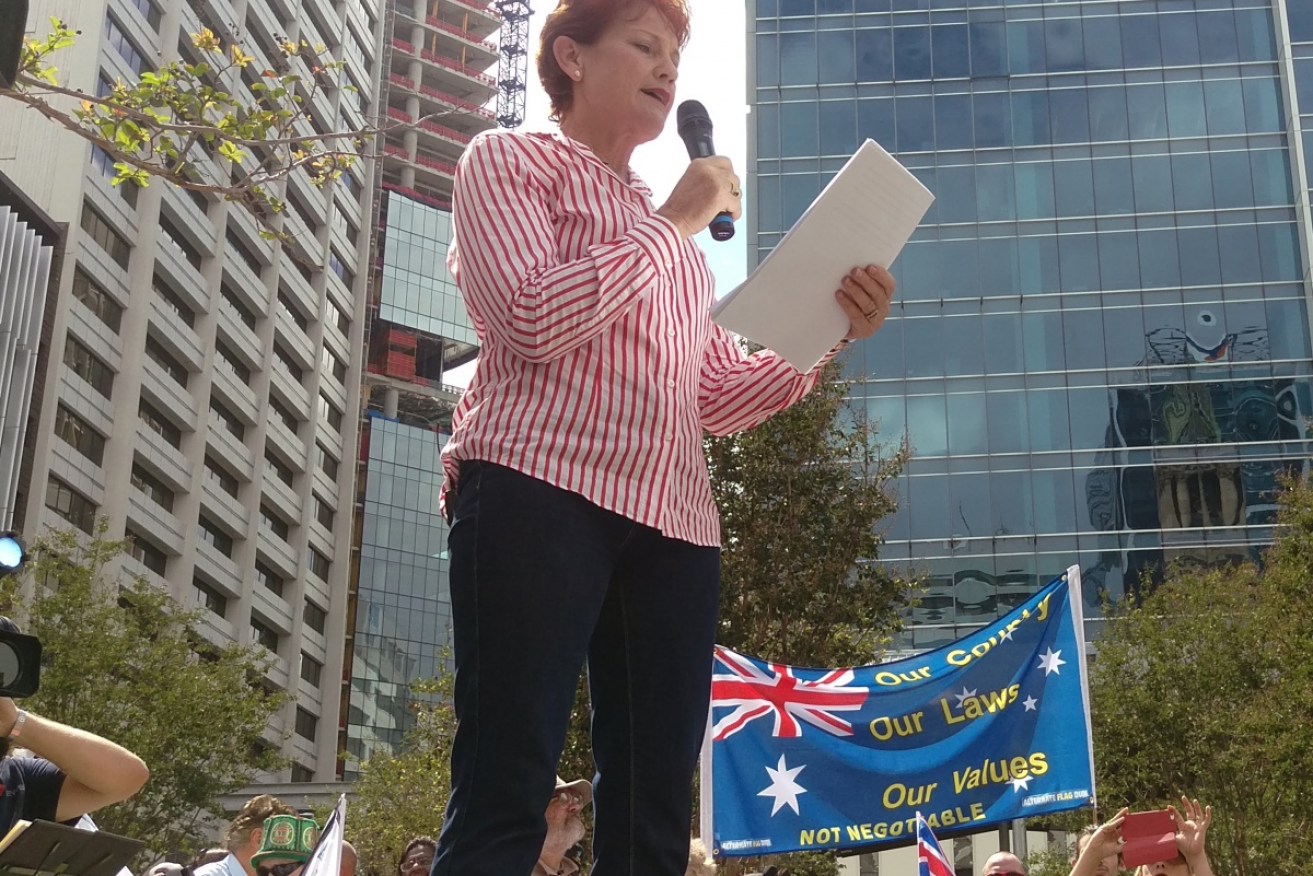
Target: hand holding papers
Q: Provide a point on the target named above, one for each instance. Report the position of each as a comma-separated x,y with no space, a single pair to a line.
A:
864,216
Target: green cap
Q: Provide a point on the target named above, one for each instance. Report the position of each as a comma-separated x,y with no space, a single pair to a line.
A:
286,837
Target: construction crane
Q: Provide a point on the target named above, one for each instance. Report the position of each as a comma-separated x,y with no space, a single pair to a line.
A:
513,67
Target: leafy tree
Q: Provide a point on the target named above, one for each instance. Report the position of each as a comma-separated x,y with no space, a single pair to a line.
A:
800,499
219,126
1204,688
122,660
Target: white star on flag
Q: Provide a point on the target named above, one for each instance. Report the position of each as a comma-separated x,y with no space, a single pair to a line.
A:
1030,703
1005,635
782,788
1050,661
1021,784
964,695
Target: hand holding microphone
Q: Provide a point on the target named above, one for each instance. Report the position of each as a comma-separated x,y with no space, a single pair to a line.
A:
708,194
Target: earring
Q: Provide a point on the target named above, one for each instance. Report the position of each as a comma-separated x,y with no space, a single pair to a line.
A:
578,75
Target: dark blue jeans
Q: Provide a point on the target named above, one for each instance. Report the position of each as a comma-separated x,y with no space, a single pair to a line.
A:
543,580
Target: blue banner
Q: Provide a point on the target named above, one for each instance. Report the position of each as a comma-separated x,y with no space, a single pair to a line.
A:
988,729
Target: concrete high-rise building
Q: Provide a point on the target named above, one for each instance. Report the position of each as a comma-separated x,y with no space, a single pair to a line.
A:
204,382
442,77
1101,347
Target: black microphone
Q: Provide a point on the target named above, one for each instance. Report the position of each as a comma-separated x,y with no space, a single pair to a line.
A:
694,126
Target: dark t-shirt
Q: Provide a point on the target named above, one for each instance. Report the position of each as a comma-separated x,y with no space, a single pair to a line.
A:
29,789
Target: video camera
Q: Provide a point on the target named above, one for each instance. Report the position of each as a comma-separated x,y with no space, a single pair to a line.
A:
20,654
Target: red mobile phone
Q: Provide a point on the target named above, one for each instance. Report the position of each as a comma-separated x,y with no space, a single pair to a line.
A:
1149,837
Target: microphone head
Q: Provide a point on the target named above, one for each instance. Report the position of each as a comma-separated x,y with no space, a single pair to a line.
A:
691,119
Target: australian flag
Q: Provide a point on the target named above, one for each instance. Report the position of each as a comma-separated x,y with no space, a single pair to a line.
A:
992,727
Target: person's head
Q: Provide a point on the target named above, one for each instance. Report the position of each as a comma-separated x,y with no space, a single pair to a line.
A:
1108,865
1004,864
615,60
350,860
417,859
1174,867
565,826
243,835
286,842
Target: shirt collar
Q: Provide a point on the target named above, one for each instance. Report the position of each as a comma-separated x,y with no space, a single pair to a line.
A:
635,182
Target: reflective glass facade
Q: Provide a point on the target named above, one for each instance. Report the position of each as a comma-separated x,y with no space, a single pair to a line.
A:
417,290
1100,353
403,607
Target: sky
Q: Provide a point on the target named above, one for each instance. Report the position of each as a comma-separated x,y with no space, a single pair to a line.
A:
713,70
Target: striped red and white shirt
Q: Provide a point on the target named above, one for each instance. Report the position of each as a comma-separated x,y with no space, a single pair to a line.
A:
600,366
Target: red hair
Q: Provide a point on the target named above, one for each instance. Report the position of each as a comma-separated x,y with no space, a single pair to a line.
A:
584,21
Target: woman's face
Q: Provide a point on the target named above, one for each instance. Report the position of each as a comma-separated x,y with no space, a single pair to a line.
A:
418,861
627,78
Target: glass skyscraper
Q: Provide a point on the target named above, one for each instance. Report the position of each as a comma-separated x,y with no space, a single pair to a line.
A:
1100,350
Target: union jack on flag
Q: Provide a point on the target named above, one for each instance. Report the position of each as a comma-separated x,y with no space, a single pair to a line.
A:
753,692
933,861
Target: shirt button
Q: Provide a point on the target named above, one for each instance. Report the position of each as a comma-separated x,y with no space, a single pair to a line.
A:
670,332
670,384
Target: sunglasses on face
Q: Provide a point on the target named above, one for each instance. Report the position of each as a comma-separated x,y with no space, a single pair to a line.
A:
286,869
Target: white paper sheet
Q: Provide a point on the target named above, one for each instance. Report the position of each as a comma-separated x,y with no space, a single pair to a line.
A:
864,216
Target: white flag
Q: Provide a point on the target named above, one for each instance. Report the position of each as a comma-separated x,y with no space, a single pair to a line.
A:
326,859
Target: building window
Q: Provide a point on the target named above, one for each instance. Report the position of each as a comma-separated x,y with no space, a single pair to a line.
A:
281,470
263,634
318,564
323,513
158,354
306,724
150,12
315,617
153,488
285,361
174,303
87,365
231,423
334,315
210,598
280,410
159,424
125,48
79,435
272,522
338,267
293,312
311,669
68,503
210,533
175,238
229,361
332,364
97,300
98,229
329,414
271,580
327,462
146,553
236,307
104,162
220,476
302,773
243,252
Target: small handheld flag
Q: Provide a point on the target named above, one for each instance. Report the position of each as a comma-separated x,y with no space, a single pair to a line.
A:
932,859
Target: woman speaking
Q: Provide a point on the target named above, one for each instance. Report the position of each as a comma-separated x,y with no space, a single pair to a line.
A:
583,524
